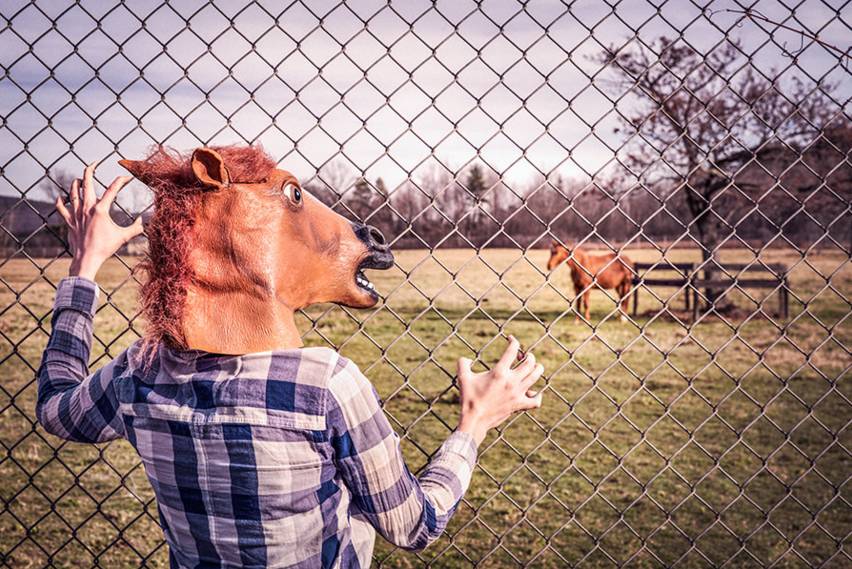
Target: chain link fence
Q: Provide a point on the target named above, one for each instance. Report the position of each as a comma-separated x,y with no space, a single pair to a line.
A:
704,146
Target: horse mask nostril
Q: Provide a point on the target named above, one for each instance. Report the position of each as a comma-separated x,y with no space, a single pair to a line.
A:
376,235
379,255
370,236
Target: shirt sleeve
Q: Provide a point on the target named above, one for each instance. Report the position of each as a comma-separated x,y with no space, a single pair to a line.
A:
71,403
409,512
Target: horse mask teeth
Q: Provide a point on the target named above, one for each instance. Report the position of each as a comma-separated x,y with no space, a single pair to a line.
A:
362,281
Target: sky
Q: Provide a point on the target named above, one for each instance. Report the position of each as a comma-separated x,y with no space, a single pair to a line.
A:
388,90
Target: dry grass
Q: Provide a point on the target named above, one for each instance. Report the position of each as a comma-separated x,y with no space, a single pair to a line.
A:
658,440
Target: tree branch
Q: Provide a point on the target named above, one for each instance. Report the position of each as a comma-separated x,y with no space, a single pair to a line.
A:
757,15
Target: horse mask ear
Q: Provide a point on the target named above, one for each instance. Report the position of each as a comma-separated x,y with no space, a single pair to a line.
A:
135,167
209,168
207,165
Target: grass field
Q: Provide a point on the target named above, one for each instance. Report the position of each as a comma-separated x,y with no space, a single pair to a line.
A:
659,440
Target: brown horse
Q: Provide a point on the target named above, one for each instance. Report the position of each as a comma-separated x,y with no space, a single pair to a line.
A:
607,271
237,246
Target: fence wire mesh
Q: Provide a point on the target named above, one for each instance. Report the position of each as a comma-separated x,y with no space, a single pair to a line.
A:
707,424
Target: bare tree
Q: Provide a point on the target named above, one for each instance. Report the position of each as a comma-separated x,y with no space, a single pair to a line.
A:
409,202
55,184
700,120
334,177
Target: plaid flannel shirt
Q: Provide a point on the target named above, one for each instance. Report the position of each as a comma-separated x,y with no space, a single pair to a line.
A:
276,459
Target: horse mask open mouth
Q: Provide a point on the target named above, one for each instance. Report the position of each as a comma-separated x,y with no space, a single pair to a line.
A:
236,245
378,257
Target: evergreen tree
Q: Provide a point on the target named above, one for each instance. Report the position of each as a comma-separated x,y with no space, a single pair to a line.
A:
475,183
381,188
477,187
364,200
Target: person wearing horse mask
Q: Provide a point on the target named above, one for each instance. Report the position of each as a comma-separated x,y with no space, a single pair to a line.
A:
261,452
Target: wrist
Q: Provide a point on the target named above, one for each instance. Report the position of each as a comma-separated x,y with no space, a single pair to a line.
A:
84,267
474,427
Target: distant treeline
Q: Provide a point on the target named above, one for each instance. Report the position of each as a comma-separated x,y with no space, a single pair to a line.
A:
799,197
792,196
34,228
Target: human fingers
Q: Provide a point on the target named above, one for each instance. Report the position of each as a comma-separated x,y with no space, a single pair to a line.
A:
76,210
89,196
525,367
134,229
533,376
526,363
63,211
510,354
530,401
463,366
111,192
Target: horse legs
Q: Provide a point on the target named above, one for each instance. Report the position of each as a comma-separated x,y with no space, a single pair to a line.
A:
624,296
579,299
586,301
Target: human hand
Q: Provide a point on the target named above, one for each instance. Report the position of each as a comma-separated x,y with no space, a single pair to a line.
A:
489,398
93,235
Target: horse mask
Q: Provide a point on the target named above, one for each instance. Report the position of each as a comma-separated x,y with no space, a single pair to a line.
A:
236,246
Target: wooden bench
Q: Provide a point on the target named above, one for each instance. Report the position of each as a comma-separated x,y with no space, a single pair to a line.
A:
777,277
690,279
683,276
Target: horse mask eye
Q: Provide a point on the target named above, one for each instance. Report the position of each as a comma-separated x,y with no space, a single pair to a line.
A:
293,193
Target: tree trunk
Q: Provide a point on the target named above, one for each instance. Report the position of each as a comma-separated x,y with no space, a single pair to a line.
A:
710,261
699,200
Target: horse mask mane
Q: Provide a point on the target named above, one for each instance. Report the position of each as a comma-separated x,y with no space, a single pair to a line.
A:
236,246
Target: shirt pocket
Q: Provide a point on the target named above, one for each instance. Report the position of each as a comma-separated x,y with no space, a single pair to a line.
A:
253,466
284,466
274,448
